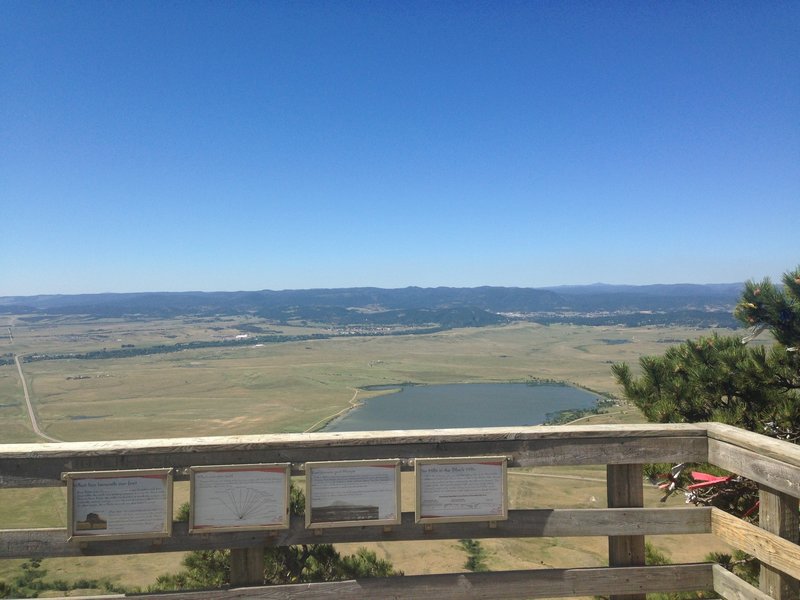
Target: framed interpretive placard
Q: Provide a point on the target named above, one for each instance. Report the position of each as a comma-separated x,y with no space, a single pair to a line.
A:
342,494
104,505
239,497
461,489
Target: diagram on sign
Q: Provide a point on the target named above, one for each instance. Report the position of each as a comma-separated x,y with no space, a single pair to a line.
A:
240,497
247,503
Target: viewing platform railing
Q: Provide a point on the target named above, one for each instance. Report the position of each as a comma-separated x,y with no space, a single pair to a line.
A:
624,449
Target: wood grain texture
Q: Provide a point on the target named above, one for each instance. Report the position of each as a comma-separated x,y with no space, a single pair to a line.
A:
778,514
40,465
24,543
766,470
247,566
760,444
731,587
765,546
623,448
547,583
406,436
624,485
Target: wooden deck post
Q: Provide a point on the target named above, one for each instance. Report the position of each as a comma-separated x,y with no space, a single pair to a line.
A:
247,566
625,490
778,514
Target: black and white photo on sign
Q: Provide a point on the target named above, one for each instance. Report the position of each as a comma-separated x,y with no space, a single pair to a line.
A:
348,492
119,504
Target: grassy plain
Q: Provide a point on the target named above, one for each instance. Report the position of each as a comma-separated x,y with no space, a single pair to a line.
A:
284,387
288,387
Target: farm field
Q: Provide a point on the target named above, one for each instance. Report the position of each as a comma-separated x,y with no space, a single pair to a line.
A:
290,387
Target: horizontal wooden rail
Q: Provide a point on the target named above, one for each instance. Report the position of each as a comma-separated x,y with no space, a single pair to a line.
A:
762,445
773,473
22,543
732,587
41,465
507,585
766,547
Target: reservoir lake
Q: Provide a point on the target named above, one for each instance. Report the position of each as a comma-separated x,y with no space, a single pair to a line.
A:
462,405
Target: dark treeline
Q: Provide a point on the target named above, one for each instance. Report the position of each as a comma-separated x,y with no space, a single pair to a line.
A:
128,352
403,305
688,318
131,351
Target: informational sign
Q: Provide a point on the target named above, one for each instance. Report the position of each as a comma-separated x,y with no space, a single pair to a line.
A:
461,489
132,504
340,494
239,497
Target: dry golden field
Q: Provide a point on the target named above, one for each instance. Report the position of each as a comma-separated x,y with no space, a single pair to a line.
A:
288,387
285,387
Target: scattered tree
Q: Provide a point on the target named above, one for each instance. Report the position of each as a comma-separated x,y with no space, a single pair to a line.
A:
728,379
476,555
732,380
305,563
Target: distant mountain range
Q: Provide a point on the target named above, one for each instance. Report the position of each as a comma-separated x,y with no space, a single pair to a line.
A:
687,304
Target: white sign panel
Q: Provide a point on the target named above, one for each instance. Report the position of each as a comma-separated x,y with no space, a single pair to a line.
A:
352,493
461,489
119,504
239,497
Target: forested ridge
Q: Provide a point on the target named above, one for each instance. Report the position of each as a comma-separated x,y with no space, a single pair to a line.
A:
695,305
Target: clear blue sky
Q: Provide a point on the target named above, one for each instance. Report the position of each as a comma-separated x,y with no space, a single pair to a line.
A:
176,146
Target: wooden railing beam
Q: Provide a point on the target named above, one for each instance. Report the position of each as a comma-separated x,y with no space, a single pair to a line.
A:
247,566
778,514
765,546
24,543
775,465
625,489
762,445
507,585
764,470
731,587
41,465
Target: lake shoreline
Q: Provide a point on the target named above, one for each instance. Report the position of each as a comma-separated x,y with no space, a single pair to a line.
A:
431,406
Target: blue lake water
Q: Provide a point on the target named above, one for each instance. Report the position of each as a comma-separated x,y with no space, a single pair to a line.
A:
462,405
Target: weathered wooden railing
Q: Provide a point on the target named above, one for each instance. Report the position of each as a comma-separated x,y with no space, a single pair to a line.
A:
623,448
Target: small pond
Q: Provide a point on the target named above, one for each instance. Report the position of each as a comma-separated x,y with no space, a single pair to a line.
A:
462,405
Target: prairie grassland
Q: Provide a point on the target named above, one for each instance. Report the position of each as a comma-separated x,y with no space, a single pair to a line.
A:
84,333
288,387
47,507
15,426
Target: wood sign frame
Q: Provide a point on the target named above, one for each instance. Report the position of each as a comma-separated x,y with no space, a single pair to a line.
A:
453,490
250,497
353,493
119,505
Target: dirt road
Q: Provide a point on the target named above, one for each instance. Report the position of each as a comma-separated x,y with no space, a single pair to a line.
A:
31,413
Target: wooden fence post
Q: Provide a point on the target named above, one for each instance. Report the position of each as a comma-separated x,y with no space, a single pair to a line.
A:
778,514
625,490
247,566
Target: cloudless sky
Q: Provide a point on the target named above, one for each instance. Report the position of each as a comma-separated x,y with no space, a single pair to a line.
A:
170,146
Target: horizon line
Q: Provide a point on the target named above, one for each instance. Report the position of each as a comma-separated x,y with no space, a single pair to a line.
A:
370,287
